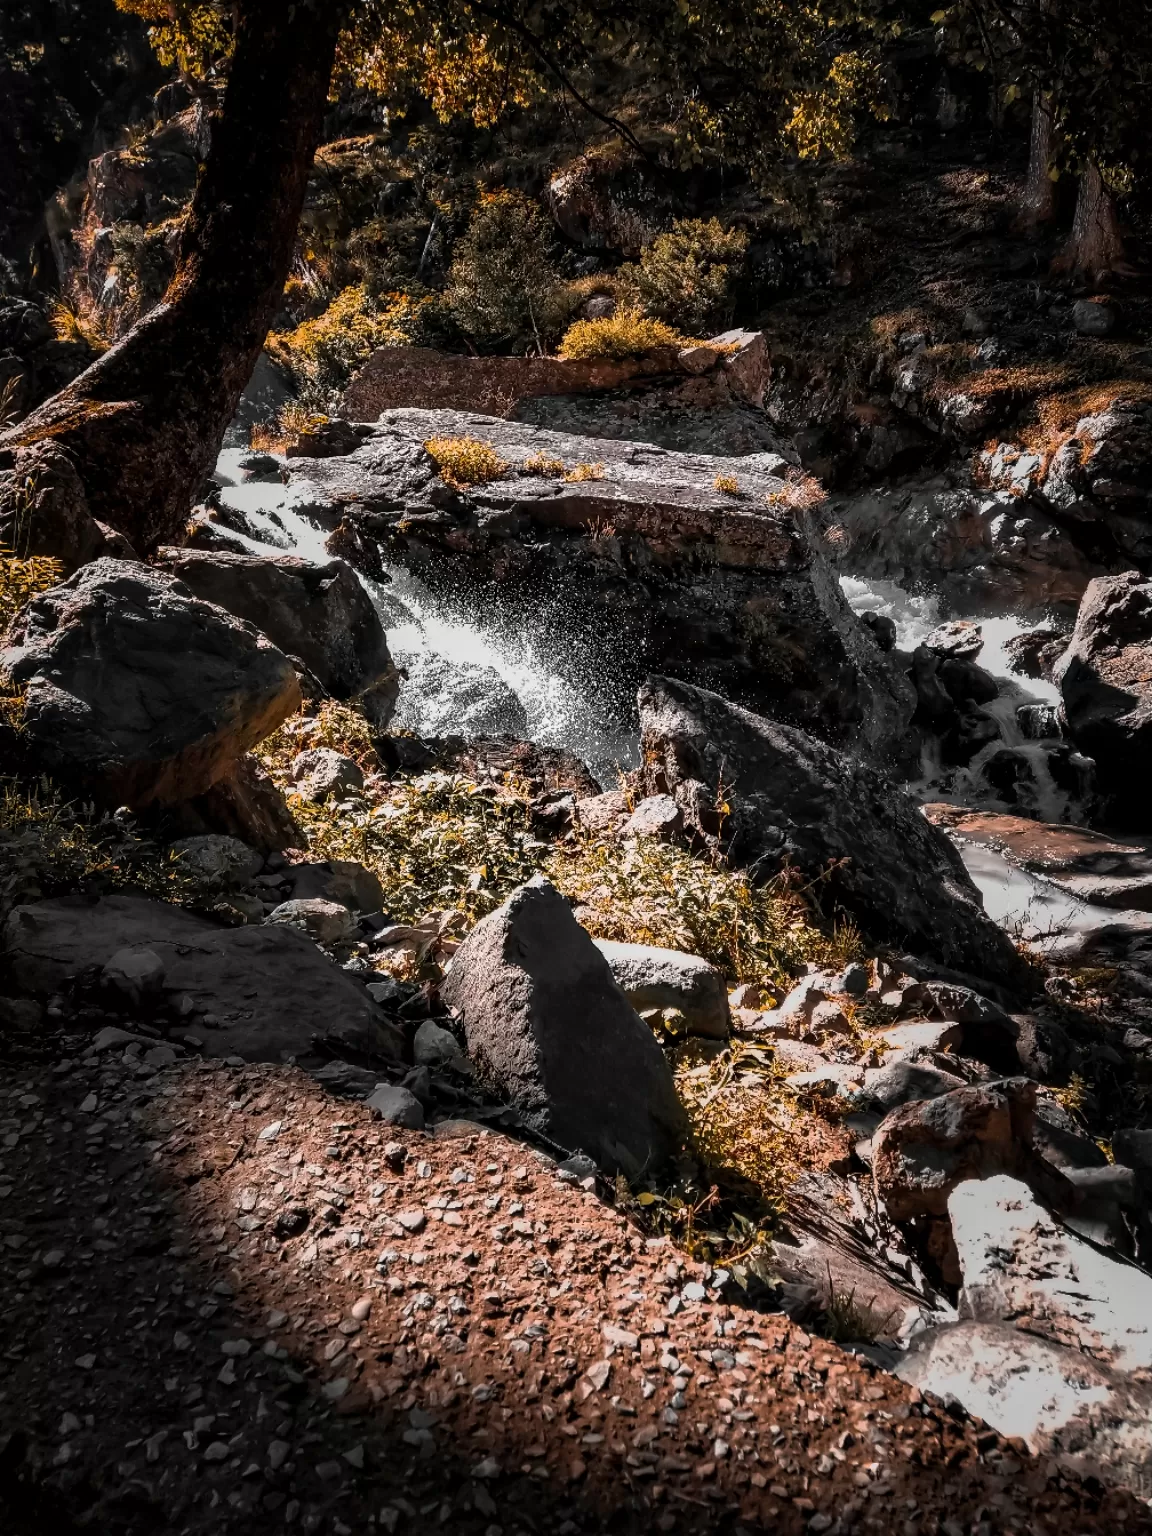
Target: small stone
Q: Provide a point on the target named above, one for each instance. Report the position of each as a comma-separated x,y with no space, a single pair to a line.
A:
270,1131
69,1425
355,1457
85,1362
396,1106
328,1471
89,1105
599,1373
486,1469
235,1347
217,1451
412,1221
226,1375
334,1390
362,1309
694,1291
181,1341
53,1259
278,1454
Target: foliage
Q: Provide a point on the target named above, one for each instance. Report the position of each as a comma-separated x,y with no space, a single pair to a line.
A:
623,334
322,354
728,484
21,580
142,260
79,321
799,492
504,288
650,892
465,460
686,275
821,121
582,472
847,1321
541,464
49,846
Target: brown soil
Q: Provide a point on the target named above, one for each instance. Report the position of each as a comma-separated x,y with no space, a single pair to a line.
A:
456,1339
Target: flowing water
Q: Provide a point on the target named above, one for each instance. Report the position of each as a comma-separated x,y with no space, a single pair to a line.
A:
473,671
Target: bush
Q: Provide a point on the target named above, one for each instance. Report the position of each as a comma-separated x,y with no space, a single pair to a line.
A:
621,335
466,460
686,276
21,580
323,354
503,286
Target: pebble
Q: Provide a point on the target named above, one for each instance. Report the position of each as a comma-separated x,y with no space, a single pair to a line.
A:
278,1454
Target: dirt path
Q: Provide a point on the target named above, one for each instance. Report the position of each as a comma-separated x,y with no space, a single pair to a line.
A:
234,1303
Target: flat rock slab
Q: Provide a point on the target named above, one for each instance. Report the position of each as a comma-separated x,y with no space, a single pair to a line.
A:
1019,1262
270,987
1101,870
641,559
1060,1402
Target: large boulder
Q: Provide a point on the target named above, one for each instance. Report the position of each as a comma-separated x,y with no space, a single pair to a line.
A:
137,689
262,993
547,1026
1105,681
796,800
630,558
665,978
320,613
44,509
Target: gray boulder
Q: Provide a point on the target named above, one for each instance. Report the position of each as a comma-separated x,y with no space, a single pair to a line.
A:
444,696
319,613
257,992
396,1106
328,922
1105,681
549,1029
218,858
795,799
666,978
138,689
322,773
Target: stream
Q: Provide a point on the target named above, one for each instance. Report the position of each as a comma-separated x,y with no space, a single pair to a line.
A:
479,673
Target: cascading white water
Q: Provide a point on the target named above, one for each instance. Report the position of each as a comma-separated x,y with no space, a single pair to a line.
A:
469,672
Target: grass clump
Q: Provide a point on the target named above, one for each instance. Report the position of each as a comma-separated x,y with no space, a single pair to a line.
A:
334,725
621,335
542,464
581,472
466,461
728,484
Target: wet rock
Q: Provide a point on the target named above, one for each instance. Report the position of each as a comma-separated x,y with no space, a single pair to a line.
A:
665,978
959,637
139,689
546,1023
443,695
731,588
320,613
1034,652
798,800
321,773
1105,680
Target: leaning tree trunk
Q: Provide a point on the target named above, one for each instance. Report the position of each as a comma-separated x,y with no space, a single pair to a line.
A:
143,425
1040,190
1096,245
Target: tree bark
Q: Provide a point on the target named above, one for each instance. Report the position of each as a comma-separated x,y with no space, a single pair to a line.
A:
1096,245
144,423
1040,190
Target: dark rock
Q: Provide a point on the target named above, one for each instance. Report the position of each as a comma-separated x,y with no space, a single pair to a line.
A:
883,629
1095,316
1058,1139
245,803
548,1027
319,613
339,880
1105,680
795,799
44,511
256,992
651,977
966,682
960,637
138,689
1034,652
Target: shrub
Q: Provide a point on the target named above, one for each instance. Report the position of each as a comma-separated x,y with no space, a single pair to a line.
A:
503,288
323,354
541,464
623,334
686,276
580,472
728,484
21,580
466,460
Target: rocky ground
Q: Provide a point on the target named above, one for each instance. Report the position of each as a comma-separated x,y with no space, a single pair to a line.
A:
234,1303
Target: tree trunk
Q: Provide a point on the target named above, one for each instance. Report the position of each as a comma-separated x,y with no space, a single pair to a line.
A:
144,423
1096,245
1040,190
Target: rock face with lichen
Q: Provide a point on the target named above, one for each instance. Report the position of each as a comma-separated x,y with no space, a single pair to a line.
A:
649,559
